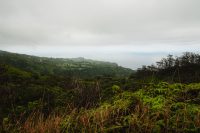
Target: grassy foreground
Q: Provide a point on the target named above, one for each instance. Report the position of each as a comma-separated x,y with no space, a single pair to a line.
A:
159,107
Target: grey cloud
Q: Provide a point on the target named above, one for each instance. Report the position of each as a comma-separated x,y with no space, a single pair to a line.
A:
128,21
67,23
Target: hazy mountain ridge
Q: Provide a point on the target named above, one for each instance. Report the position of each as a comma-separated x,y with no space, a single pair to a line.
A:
80,67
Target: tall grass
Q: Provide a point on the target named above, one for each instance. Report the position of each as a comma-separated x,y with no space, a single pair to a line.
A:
141,112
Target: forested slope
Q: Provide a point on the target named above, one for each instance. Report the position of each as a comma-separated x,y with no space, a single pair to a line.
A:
76,67
148,101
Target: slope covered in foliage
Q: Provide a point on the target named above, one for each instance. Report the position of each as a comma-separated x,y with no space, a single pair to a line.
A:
76,67
36,102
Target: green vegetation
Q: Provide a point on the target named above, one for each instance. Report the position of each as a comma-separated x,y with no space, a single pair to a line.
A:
75,67
37,101
183,69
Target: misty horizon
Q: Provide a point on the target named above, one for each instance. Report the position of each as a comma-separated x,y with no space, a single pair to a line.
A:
130,33
156,57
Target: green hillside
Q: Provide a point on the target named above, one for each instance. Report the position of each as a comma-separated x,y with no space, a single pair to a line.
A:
34,101
76,67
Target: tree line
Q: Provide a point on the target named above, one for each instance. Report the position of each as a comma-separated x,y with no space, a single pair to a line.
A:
184,69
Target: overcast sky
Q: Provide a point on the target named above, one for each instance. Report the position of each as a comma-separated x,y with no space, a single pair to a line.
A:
129,32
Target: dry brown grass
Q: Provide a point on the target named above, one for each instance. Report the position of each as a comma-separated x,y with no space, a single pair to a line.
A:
37,123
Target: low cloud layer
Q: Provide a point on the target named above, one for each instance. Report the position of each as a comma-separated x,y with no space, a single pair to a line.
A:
101,29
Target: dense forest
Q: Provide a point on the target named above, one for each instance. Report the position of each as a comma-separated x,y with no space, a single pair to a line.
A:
183,69
53,95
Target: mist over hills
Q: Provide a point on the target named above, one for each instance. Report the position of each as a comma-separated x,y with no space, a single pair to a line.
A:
75,67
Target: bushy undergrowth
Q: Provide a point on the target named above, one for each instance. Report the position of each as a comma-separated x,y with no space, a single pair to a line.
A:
159,107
